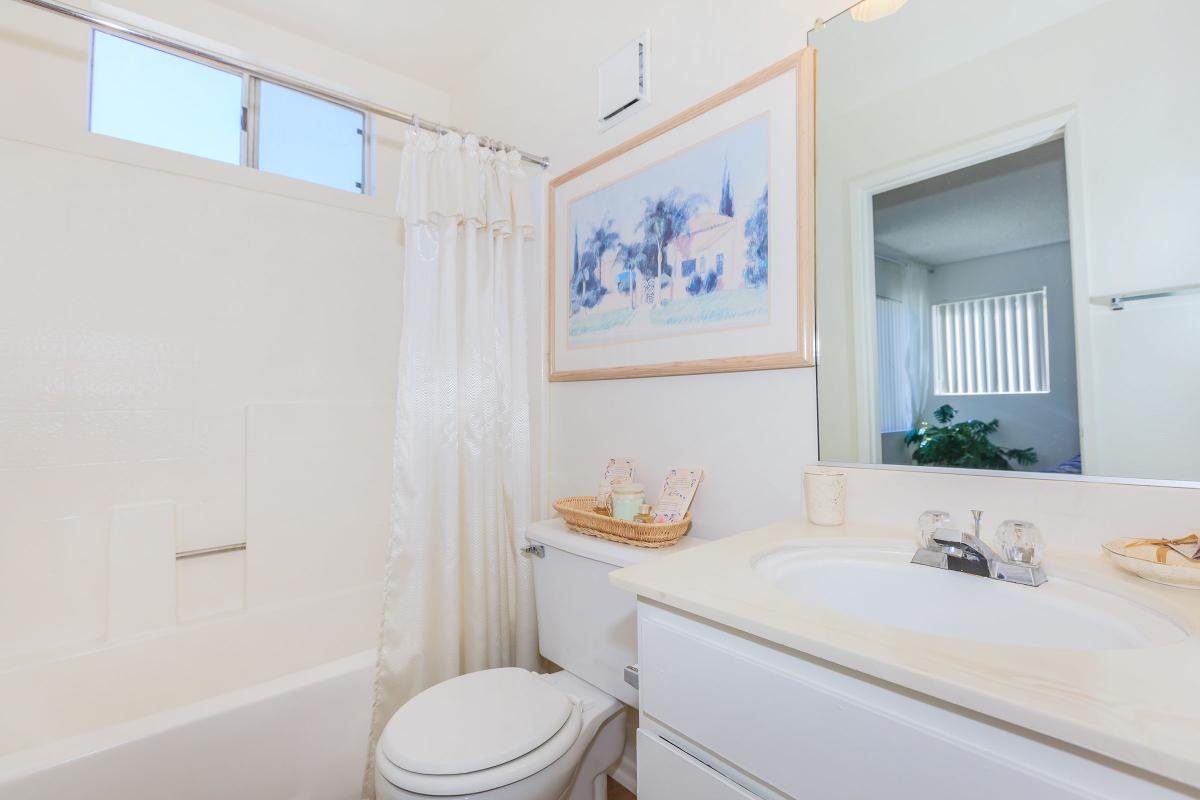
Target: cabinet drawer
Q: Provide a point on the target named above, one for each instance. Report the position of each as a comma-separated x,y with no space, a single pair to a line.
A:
815,731
667,773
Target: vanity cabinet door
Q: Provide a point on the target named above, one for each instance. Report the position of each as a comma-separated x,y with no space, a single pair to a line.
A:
814,731
667,773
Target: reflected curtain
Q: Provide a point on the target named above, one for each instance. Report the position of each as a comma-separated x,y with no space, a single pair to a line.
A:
918,360
458,597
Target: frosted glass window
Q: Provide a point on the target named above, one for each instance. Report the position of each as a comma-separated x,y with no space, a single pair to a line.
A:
156,98
305,137
992,345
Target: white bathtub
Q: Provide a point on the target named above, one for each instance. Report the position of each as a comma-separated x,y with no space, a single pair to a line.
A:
272,704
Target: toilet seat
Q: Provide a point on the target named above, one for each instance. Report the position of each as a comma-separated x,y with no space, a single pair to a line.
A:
478,732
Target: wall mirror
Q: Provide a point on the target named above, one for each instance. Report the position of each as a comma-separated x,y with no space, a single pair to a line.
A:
1008,255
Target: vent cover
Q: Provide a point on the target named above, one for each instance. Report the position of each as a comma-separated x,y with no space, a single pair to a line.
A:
624,82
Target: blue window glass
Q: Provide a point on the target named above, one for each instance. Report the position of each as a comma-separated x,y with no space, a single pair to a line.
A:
689,266
720,270
305,137
156,98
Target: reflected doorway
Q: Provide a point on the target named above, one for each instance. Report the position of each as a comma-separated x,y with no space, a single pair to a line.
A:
974,318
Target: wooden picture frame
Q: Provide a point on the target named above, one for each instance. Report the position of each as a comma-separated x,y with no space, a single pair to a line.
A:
641,160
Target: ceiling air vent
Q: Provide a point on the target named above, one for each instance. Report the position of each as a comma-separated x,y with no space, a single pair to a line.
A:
624,82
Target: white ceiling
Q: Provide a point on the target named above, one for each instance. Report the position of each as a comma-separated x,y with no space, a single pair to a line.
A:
1006,204
437,42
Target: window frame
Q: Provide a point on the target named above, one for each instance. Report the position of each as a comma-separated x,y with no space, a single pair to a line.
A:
251,84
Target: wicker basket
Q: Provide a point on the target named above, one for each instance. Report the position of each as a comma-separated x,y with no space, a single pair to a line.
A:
580,515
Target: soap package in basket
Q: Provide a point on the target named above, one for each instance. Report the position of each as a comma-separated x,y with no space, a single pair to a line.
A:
678,492
617,470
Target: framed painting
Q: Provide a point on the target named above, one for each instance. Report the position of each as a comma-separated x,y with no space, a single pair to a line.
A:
690,248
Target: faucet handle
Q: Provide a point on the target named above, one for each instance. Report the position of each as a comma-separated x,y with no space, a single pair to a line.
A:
928,524
1020,542
977,515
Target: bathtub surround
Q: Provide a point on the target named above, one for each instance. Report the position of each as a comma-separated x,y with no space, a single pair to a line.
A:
458,597
211,585
141,577
192,354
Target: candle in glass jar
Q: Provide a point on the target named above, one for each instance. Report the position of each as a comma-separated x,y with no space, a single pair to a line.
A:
627,498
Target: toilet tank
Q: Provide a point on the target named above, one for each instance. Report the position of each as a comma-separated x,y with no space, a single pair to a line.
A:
586,625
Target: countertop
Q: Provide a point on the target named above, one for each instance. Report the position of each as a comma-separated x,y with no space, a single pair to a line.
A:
1138,706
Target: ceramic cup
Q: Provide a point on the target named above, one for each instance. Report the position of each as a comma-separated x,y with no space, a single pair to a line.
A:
825,495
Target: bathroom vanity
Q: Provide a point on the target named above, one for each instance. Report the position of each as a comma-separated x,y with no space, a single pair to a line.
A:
759,678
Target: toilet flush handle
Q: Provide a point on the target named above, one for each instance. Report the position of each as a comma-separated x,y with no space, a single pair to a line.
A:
533,551
632,676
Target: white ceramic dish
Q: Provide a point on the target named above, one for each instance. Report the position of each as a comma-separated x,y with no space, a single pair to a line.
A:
1142,560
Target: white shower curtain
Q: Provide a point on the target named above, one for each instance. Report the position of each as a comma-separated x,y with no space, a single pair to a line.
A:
458,597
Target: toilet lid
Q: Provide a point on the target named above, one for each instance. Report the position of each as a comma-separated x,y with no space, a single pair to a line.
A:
474,722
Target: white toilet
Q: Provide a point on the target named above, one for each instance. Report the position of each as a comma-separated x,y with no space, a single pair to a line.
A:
510,734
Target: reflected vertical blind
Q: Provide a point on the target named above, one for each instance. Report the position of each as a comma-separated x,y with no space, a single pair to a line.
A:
992,345
895,400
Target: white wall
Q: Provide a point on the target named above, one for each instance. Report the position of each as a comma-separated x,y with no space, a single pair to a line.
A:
1148,389
752,432
191,353
1132,168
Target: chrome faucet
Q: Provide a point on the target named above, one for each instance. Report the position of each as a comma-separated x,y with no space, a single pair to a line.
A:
962,551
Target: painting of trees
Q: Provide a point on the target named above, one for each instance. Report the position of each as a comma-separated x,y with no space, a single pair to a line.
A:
586,287
578,279
664,218
632,257
756,243
602,240
669,248
726,206
670,264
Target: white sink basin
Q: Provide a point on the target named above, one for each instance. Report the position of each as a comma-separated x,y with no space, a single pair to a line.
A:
878,584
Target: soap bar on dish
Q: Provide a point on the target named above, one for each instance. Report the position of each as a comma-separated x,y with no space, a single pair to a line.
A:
1187,546
1159,549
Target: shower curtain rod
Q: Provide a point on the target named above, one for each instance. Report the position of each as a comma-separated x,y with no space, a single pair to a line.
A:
106,23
